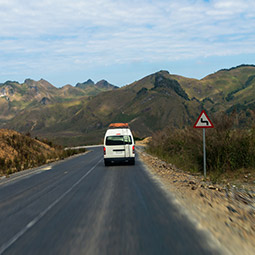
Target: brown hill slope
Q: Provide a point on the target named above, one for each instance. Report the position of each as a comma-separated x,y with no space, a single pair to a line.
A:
157,100
148,105
19,152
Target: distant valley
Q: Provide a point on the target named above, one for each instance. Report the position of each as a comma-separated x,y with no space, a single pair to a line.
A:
79,115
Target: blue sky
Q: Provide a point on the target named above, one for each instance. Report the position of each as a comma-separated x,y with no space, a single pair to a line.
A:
66,42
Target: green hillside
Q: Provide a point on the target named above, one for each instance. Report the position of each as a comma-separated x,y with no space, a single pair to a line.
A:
157,100
16,98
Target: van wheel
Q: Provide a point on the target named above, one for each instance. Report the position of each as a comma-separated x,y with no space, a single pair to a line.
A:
106,163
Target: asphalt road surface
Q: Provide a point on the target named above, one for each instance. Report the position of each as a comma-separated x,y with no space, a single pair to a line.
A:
79,206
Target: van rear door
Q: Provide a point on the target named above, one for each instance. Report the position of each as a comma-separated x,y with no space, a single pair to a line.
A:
115,146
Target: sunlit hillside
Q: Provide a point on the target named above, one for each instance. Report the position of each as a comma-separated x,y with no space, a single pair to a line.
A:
157,100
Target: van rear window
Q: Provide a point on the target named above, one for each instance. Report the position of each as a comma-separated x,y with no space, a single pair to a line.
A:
118,140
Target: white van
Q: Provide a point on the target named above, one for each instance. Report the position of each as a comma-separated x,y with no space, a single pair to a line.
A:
119,144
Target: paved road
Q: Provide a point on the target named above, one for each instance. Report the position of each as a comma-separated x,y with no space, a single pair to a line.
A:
79,206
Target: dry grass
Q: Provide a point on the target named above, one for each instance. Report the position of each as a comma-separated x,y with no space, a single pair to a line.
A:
19,152
228,150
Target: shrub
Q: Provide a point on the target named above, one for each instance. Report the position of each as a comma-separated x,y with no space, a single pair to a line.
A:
29,153
2,164
179,146
226,148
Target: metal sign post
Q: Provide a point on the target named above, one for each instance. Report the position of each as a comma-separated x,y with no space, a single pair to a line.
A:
204,150
203,122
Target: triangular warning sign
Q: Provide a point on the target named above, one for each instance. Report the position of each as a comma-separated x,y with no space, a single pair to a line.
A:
203,121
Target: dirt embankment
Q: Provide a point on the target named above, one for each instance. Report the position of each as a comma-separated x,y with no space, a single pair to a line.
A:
19,152
227,212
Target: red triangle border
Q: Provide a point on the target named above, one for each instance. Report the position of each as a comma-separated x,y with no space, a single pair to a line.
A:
203,112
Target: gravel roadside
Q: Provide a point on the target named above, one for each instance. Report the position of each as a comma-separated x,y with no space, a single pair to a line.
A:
227,212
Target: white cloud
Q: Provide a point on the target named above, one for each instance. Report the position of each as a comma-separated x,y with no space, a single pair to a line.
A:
79,32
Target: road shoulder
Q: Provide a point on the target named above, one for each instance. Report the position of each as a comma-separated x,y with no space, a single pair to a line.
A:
35,170
228,214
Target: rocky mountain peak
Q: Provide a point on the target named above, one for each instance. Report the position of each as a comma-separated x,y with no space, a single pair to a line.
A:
46,84
29,82
166,83
85,84
105,85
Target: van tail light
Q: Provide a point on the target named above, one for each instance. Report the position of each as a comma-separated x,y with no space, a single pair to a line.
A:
133,148
104,151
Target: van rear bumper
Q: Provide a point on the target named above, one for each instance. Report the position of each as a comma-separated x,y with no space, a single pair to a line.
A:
119,160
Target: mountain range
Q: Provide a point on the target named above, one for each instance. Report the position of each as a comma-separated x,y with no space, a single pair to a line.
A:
80,115
16,97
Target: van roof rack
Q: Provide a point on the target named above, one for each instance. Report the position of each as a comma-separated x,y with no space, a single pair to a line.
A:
118,125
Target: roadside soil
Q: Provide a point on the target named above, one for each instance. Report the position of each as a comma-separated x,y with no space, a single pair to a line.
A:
226,211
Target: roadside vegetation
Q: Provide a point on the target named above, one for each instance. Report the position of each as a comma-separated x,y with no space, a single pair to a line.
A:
229,151
19,152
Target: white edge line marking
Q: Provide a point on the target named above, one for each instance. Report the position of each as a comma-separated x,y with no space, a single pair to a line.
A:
37,170
40,216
